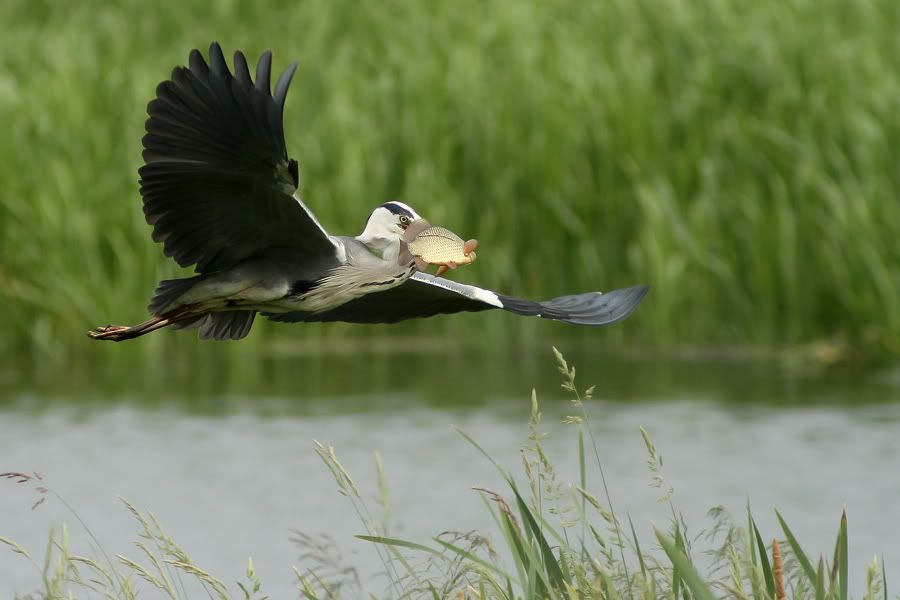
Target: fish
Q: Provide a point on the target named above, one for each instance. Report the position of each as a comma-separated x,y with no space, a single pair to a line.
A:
435,245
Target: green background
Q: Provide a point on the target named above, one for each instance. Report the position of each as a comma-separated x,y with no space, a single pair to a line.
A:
742,158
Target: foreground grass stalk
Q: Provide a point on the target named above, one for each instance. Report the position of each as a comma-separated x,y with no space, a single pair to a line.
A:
569,385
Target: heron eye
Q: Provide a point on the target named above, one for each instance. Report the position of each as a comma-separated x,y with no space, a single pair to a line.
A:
404,220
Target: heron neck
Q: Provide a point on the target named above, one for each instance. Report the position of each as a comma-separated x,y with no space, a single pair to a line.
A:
386,248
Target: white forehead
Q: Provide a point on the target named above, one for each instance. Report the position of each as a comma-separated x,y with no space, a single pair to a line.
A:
397,207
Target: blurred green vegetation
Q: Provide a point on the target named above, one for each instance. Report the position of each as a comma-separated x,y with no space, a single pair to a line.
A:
741,158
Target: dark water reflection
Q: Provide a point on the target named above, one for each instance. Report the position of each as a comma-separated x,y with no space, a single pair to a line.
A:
292,380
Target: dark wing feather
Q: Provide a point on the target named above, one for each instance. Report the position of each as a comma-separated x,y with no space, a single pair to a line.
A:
217,180
592,308
424,295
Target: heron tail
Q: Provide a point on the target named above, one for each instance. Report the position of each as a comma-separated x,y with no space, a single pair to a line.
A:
169,308
168,292
226,325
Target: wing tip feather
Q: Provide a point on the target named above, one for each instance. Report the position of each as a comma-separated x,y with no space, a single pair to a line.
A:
217,61
264,73
631,298
241,69
197,63
284,83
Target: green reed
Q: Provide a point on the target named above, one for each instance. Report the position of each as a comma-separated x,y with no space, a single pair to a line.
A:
739,157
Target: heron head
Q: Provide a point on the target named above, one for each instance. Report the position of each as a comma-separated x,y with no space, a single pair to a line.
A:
389,222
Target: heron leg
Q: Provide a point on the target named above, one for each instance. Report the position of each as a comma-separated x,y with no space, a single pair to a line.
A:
118,333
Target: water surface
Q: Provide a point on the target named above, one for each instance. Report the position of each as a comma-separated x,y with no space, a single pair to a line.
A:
228,464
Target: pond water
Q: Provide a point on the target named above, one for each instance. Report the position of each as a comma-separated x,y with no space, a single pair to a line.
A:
227,464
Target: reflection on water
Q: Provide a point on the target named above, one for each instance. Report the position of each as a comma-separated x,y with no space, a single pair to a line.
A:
223,378
223,456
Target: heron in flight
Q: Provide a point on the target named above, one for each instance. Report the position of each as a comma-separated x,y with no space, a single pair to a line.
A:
220,192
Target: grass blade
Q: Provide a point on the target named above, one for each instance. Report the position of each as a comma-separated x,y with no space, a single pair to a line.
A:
611,593
582,472
484,453
843,556
686,570
676,575
637,549
804,561
820,580
752,550
554,571
764,560
401,544
465,554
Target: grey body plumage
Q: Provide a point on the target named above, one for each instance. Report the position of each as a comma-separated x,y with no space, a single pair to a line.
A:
220,192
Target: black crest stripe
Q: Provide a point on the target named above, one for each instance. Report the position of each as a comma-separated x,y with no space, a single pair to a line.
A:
397,209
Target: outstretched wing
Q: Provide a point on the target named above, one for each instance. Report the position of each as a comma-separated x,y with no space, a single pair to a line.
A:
217,182
424,295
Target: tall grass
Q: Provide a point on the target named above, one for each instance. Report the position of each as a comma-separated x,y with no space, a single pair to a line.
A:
742,158
553,540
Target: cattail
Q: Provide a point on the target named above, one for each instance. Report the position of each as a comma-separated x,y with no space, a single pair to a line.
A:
778,571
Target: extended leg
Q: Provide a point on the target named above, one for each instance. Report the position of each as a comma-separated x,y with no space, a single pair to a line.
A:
117,333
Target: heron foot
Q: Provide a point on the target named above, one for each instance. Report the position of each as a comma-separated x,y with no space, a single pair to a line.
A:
117,333
110,332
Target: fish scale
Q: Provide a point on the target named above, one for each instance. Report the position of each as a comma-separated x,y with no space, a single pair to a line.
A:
438,245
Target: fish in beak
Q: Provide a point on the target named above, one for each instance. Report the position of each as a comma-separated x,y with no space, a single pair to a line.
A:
433,245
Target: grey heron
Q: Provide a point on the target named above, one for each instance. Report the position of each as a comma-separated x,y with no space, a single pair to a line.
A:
220,192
